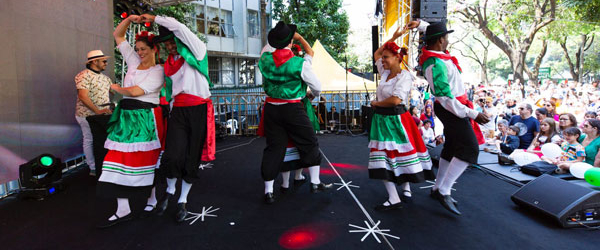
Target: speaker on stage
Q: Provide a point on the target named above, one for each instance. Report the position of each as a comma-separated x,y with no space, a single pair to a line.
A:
375,45
430,10
569,204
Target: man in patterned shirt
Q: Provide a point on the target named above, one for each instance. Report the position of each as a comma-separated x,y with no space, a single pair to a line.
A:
93,89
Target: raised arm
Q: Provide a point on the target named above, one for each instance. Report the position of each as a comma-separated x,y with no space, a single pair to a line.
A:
399,32
307,49
121,29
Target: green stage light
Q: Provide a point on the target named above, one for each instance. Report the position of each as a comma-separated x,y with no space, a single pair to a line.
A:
46,161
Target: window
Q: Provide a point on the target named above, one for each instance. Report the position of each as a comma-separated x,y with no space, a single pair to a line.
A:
227,68
221,71
220,22
200,19
253,24
213,70
247,71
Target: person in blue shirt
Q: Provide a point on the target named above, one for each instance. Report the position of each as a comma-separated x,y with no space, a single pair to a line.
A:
526,120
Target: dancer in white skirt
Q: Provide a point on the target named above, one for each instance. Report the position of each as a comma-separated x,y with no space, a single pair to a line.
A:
398,153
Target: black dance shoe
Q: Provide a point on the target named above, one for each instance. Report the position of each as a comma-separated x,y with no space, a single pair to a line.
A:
284,190
435,193
145,213
269,198
181,212
316,188
446,201
390,207
298,183
405,198
110,223
161,207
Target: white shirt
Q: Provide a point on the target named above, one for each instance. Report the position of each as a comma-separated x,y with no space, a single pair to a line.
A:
398,86
428,135
187,79
150,80
307,75
457,88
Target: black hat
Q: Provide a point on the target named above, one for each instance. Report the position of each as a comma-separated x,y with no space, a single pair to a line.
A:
435,30
281,35
164,34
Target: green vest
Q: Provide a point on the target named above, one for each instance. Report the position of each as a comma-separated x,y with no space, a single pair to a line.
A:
285,81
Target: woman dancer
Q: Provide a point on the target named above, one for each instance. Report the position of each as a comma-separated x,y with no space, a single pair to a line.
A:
398,153
135,128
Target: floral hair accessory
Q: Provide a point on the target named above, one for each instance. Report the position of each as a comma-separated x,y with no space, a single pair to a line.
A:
145,34
394,48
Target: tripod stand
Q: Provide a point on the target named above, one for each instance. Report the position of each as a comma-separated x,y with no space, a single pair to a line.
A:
346,128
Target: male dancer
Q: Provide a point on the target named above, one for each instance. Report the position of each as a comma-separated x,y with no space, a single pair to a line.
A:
190,130
286,80
452,107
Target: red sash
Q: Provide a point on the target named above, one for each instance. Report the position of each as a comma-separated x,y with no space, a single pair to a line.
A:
186,100
464,99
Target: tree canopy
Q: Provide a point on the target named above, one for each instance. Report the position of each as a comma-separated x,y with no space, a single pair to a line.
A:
324,20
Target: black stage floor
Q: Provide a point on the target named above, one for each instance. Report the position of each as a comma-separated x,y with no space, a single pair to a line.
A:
298,220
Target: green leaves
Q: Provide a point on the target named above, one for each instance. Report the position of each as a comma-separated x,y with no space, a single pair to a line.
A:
317,19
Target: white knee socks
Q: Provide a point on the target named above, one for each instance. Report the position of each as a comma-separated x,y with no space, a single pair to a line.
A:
441,174
152,200
269,186
406,189
314,174
122,208
298,174
455,169
392,192
185,190
171,185
285,176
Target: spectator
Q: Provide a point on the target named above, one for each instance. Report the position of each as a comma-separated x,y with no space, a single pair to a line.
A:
428,134
511,142
502,129
541,114
551,108
428,115
566,120
573,151
590,115
591,141
526,121
333,117
547,134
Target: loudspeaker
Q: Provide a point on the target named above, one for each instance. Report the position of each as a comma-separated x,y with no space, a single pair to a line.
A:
569,204
430,10
375,45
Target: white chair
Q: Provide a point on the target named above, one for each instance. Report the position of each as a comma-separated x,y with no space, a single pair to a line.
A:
232,124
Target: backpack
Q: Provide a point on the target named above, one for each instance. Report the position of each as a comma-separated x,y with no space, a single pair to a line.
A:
538,168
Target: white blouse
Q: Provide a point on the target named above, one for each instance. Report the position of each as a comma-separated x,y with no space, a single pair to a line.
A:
398,86
150,80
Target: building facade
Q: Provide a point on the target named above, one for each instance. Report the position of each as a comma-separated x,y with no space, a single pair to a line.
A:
232,29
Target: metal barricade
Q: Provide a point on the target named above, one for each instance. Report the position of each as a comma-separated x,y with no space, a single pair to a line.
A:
336,110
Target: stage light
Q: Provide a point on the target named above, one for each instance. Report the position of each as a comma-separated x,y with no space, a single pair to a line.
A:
40,176
310,235
147,24
124,15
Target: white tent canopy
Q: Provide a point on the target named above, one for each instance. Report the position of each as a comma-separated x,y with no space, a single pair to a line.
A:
332,75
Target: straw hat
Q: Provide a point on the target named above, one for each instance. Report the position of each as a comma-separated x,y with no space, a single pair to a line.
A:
94,55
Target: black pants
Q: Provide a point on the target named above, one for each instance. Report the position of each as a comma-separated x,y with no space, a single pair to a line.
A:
186,134
460,140
283,122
